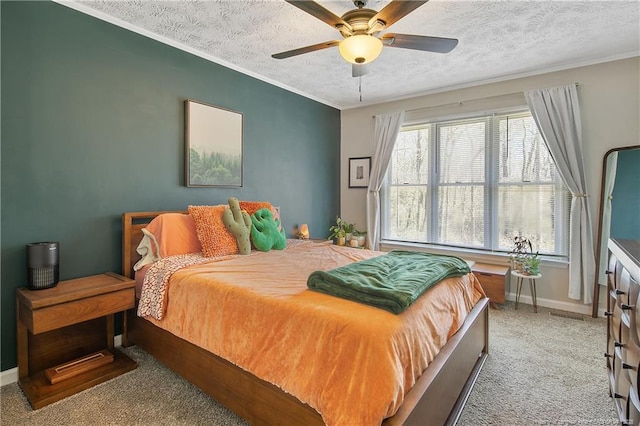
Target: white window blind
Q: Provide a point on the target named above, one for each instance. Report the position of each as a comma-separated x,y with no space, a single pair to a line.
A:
475,183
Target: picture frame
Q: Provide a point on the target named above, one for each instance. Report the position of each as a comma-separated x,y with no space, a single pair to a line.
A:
359,171
213,146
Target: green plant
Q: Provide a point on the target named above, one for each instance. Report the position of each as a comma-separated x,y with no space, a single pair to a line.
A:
338,230
348,227
533,260
532,263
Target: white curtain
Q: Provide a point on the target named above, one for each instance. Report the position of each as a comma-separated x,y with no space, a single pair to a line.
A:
386,131
557,114
610,170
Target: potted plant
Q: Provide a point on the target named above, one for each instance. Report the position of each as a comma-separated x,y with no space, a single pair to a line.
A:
532,264
361,236
338,232
522,248
348,230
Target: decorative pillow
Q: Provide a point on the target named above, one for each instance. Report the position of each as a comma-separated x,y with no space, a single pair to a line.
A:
214,236
239,224
175,234
264,231
168,234
253,206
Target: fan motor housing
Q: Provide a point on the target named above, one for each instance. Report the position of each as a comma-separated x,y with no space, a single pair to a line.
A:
359,19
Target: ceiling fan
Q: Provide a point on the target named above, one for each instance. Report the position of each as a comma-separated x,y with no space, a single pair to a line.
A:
360,28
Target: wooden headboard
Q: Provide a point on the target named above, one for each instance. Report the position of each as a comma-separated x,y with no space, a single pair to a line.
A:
132,224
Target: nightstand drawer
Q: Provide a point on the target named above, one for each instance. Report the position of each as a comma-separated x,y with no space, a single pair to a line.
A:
64,314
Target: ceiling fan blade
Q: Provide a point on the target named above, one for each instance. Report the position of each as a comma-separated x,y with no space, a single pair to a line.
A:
416,42
395,11
358,70
307,49
314,9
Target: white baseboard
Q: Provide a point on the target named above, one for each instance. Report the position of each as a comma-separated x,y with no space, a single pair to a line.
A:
11,376
554,304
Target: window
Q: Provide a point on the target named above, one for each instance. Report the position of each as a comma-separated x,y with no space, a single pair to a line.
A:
475,183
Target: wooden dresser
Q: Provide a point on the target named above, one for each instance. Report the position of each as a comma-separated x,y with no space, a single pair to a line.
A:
623,328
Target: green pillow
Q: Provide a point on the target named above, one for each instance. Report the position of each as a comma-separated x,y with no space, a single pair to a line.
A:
264,231
238,223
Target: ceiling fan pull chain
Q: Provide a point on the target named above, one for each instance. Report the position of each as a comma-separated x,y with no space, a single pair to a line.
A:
360,87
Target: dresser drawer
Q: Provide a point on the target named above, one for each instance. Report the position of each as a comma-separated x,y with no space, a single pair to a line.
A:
64,314
633,408
610,350
616,323
622,381
631,358
611,270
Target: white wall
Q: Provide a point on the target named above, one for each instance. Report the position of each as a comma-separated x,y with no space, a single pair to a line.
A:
610,107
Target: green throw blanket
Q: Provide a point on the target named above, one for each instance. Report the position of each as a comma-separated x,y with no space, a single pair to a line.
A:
392,281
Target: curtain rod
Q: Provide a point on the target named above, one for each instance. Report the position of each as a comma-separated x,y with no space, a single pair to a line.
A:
460,103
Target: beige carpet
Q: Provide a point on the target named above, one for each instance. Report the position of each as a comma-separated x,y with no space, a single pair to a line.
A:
543,369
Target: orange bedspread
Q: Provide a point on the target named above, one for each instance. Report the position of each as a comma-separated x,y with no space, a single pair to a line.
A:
353,363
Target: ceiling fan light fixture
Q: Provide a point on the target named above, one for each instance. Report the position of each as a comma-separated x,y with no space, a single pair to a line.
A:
360,49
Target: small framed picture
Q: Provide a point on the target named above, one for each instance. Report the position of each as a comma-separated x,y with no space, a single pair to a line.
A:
359,169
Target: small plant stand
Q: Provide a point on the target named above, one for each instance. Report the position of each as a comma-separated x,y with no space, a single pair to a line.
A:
520,277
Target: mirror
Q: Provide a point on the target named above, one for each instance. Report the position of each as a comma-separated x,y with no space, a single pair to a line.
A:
619,207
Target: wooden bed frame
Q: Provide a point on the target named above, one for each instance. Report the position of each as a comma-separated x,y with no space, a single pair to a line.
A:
438,396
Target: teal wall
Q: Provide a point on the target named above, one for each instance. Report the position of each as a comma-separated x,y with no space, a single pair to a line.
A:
625,205
92,126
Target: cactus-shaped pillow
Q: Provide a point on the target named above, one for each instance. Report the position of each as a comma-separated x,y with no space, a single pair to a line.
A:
266,232
239,224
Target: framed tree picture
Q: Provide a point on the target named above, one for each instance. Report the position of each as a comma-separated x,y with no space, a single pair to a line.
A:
213,146
359,170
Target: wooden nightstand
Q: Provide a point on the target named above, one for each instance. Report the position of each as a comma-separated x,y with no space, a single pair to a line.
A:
492,279
65,336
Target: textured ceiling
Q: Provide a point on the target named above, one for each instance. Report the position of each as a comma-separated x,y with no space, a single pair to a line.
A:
497,40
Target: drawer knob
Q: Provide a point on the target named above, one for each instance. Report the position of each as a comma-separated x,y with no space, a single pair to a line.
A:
608,355
618,396
608,314
626,307
618,345
608,272
619,292
626,366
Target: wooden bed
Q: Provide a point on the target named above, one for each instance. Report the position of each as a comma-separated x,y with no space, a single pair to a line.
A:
438,396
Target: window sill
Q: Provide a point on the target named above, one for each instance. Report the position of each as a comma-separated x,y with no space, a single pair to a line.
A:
477,256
